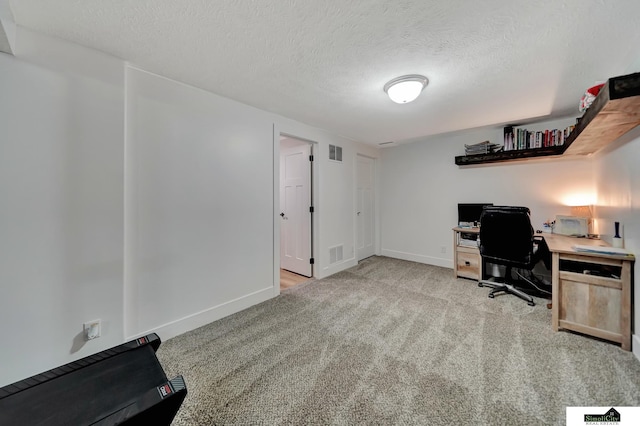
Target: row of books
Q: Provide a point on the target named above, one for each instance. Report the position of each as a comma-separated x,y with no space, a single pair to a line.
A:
485,147
523,139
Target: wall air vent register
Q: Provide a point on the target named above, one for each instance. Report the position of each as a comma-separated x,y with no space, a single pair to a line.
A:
335,153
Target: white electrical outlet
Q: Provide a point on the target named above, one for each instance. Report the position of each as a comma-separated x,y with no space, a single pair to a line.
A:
92,329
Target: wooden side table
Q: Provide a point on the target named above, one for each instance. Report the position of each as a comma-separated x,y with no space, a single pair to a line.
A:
467,262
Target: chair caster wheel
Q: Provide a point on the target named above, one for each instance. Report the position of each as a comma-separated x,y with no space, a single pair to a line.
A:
531,304
480,285
491,296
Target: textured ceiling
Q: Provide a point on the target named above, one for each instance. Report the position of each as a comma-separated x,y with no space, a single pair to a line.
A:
325,62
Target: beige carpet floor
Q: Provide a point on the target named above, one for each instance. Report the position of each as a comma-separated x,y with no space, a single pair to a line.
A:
394,342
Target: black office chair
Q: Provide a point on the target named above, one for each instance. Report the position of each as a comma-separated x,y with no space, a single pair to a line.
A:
507,238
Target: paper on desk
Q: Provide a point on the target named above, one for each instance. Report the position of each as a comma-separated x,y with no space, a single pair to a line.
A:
602,250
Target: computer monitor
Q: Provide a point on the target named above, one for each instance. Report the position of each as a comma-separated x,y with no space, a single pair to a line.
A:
469,213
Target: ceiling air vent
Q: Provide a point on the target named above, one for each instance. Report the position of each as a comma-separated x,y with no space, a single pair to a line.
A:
335,153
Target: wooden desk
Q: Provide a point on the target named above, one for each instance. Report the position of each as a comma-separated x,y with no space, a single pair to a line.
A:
466,258
591,292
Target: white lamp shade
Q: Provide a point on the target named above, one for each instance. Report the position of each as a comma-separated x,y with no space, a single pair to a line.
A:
405,89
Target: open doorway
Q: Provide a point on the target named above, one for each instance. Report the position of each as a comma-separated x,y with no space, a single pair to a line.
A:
296,211
365,214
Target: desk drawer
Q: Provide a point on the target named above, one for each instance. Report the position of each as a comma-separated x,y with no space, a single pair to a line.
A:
468,265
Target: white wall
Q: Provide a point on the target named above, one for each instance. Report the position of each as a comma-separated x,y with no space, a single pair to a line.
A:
140,201
201,217
7,28
617,179
201,170
421,187
61,192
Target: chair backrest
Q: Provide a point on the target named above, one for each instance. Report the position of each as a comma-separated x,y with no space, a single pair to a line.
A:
506,235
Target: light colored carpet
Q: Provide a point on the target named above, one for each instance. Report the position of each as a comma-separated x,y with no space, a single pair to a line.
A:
394,342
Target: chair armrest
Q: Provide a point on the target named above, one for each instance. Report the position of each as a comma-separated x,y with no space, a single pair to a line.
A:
537,241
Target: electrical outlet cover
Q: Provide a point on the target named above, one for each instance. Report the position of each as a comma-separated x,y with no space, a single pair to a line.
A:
92,329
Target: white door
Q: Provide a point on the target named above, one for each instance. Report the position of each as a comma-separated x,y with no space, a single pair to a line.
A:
295,203
365,218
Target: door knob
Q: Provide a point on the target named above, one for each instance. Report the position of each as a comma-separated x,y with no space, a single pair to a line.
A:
358,213
282,214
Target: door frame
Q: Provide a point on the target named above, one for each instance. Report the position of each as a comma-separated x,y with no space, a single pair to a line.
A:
315,168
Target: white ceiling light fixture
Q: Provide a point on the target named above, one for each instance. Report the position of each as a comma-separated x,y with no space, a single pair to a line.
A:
406,88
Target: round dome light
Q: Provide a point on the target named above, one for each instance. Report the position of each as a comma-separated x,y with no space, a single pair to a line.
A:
406,88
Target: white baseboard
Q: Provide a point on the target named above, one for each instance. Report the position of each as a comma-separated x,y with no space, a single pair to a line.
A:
436,261
336,267
635,345
206,316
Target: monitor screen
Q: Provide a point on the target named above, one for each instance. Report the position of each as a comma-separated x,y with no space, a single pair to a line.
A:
469,213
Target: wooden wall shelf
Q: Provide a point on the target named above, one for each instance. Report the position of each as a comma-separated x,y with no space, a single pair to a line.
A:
614,112
516,154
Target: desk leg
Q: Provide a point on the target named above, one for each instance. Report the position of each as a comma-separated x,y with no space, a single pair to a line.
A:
455,254
625,306
555,290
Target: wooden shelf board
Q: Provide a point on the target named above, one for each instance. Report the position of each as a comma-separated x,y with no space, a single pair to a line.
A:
615,119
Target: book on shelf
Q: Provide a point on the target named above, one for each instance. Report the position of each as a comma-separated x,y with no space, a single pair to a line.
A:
468,243
485,147
520,138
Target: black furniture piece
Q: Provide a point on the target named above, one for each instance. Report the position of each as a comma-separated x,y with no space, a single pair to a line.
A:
507,238
124,385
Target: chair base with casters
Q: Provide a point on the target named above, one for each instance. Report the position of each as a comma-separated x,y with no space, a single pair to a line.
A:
498,287
509,288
